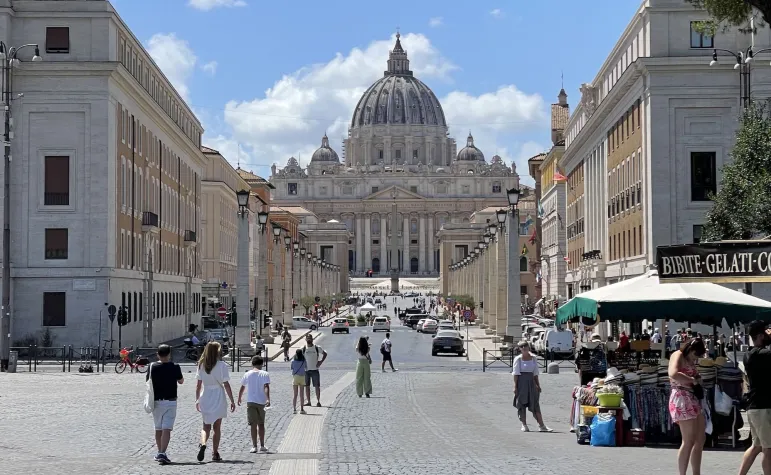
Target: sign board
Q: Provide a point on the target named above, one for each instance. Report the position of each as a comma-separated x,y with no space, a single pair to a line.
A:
727,261
84,284
221,312
111,313
224,285
467,314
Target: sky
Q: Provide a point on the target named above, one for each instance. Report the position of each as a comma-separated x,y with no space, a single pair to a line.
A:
268,79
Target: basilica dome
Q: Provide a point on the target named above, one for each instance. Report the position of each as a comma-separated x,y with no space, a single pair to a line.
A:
325,153
470,153
398,97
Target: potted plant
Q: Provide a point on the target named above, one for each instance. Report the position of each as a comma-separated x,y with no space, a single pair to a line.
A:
361,321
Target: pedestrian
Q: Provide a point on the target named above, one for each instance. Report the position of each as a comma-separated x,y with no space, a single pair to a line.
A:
256,384
685,404
298,380
210,397
165,376
314,358
527,387
385,350
757,365
286,343
363,370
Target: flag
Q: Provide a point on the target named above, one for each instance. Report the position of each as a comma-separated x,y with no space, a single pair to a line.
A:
559,177
529,219
566,259
524,249
532,237
540,209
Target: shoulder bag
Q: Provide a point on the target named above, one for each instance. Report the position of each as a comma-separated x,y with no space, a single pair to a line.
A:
149,391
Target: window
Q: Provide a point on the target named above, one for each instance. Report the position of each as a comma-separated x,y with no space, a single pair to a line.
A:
347,190
414,189
441,188
57,181
380,154
397,154
323,190
523,264
523,289
496,187
697,230
54,309
703,180
375,189
415,153
292,188
700,40
56,244
57,39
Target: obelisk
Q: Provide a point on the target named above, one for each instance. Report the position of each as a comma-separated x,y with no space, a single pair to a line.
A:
394,245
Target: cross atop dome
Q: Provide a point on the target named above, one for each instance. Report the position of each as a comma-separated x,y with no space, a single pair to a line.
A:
398,63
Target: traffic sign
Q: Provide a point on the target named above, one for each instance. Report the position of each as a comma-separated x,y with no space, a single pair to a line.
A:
467,314
111,313
224,285
221,312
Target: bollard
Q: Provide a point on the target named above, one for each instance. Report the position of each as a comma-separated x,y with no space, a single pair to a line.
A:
484,359
13,361
64,359
553,368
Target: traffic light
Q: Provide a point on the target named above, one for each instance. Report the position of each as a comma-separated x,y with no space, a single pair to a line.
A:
265,322
122,317
234,318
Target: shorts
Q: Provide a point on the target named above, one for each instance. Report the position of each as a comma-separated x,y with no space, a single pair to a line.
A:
255,413
164,414
760,426
298,380
313,377
386,356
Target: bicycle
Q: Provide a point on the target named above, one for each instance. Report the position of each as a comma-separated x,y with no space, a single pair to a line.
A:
107,350
140,363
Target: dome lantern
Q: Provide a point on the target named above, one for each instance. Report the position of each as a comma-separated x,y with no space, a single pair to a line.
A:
470,153
325,153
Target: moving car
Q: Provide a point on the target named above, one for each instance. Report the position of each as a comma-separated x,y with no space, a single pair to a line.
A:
413,319
341,325
409,311
429,326
303,322
381,323
446,325
447,341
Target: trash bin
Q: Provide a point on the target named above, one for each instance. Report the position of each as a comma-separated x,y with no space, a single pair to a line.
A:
13,360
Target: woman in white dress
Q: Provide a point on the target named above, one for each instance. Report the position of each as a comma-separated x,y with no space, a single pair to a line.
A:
213,379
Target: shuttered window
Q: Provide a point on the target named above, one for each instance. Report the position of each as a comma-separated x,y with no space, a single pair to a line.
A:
57,181
57,39
56,243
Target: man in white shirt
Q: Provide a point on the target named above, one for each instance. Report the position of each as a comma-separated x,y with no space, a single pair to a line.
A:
256,384
656,338
314,358
385,350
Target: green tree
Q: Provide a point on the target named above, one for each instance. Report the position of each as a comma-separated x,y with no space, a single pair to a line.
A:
728,13
742,208
307,302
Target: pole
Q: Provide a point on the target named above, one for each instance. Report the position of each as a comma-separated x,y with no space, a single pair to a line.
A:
99,338
514,315
5,318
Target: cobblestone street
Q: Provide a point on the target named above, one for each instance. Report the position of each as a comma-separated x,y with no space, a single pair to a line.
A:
450,420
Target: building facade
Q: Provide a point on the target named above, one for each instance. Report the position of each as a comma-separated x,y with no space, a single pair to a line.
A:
106,194
534,167
398,150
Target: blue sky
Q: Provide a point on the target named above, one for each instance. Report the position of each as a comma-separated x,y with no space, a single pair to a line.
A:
267,79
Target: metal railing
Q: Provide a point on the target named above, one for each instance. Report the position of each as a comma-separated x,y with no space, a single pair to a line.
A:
501,358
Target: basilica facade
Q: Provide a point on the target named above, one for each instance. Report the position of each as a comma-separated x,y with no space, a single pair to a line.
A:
398,153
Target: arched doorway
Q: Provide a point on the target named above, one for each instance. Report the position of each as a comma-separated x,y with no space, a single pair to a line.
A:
376,265
414,265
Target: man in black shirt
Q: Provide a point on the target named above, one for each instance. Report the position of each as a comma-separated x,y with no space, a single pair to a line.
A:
757,367
165,376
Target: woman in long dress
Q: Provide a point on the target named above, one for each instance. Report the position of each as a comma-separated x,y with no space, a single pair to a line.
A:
210,397
363,369
527,388
685,405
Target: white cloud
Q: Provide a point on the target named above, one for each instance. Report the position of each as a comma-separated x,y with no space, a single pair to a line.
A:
210,67
290,118
175,58
436,22
207,5
496,13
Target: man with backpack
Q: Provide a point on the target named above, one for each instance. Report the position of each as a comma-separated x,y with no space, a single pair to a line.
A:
314,358
385,350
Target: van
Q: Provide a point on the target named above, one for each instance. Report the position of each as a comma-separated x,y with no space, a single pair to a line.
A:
557,344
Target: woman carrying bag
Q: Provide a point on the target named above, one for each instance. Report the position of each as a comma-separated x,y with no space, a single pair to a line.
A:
210,397
363,369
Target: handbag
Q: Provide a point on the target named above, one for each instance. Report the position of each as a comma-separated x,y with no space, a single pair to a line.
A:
698,391
723,403
149,392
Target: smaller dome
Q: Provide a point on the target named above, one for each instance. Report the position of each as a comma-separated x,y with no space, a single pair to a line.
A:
470,153
325,153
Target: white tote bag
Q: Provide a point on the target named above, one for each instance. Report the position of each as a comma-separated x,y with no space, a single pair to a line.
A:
149,392
723,403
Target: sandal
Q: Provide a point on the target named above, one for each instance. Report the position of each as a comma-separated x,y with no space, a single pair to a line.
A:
215,457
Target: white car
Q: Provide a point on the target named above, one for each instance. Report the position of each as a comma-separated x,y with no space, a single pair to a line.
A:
429,326
341,325
446,325
381,323
303,322
419,325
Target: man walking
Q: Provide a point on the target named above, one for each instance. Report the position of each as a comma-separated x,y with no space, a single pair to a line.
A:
165,376
385,350
256,384
757,365
314,358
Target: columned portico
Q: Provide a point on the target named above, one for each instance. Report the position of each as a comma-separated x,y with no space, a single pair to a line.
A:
383,245
406,245
367,243
431,249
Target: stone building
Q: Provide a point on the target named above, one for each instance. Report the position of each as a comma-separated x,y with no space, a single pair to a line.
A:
398,150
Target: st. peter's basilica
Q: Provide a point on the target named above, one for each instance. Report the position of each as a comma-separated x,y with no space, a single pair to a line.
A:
398,150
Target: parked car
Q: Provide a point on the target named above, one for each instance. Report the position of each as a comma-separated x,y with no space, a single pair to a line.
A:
381,323
447,341
429,326
378,300
555,343
446,325
340,325
303,322
419,325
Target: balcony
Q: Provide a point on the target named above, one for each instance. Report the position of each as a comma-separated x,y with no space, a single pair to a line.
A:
56,199
149,221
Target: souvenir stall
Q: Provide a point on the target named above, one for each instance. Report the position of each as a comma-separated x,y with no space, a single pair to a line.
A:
638,378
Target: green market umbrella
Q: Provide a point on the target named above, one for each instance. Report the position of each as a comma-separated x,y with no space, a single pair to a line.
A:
645,298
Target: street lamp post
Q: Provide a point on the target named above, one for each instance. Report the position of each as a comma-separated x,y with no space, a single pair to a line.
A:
743,65
243,270
262,221
514,316
276,241
295,253
9,60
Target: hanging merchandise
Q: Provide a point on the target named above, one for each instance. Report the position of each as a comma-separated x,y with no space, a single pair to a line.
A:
723,402
603,431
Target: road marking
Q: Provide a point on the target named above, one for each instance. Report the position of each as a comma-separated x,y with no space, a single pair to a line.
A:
303,436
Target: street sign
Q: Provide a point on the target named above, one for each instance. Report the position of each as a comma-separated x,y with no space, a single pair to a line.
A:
317,299
221,312
111,313
224,285
467,314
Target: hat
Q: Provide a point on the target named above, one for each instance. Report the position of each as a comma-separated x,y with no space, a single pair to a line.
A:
596,336
611,373
657,330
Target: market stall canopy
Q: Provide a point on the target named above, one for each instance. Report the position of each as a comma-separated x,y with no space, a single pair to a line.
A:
367,307
644,297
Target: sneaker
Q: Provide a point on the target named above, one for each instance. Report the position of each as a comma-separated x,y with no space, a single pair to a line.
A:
201,452
318,404
545,429
302,411
253,450
157,457
525,428
163,459
263,450
295,411
394,370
